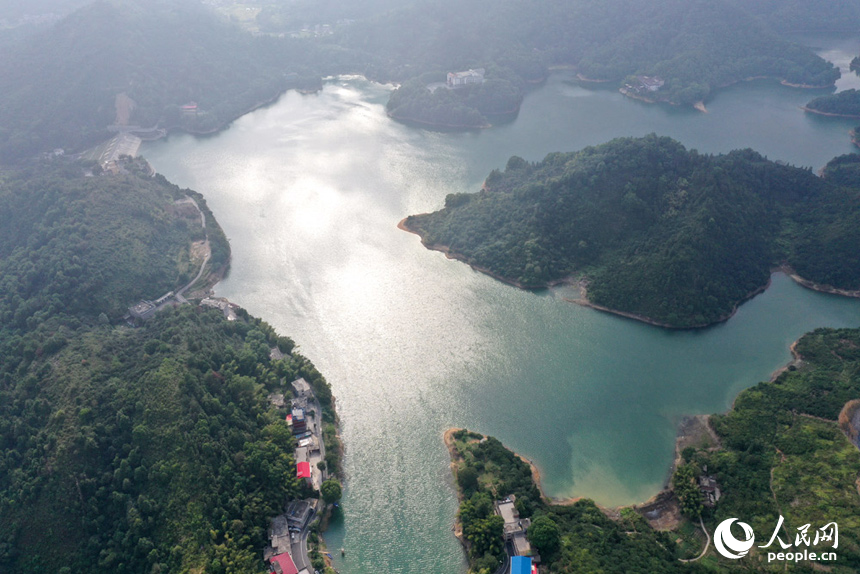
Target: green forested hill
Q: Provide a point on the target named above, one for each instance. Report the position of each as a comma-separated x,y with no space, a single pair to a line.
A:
783,452
59,86
824,16
83,245
659,231
129,450
844,103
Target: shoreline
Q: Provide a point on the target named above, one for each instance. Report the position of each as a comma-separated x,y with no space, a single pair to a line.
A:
644,319
698,106
582,78
457,257
812,285
435,124
830,114
689,429
584,302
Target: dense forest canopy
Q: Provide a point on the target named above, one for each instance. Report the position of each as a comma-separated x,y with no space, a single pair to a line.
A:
75,243
694,46
130,450
660,231
59,86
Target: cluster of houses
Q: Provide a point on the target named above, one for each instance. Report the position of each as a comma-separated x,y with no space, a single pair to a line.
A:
523,560
285,548
303,418
643,85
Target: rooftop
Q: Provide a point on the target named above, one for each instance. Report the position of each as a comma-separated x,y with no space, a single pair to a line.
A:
283,564
521,565
301,386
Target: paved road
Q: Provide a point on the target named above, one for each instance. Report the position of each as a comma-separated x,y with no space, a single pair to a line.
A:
300,548
180,294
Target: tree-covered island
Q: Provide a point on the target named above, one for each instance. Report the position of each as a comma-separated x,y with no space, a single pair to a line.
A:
653,230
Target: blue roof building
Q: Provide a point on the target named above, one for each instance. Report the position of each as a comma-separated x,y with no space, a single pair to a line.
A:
521,565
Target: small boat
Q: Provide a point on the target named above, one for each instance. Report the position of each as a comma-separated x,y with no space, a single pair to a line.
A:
342,552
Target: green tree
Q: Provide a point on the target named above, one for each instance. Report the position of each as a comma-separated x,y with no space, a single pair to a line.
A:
684,485
467,478
331,491
544,535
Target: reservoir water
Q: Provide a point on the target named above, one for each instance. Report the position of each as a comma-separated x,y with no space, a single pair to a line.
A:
310,189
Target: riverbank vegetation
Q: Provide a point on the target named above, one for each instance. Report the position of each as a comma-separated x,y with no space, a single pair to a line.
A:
666,234
129,450
783,452
570,538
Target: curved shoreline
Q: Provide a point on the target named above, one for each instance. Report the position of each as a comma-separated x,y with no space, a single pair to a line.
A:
457,257
704,420
829,114
817,286
584,302
503,115
436,124
582,78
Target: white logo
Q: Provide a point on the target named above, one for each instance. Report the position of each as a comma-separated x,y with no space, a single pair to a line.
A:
728,545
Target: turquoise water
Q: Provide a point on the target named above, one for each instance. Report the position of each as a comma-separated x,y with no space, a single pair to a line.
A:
309,191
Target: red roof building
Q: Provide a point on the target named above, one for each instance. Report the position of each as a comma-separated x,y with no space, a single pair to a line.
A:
304,470
283,564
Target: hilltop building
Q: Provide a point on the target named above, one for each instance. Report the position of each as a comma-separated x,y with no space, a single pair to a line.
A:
465,78
143,310
650,83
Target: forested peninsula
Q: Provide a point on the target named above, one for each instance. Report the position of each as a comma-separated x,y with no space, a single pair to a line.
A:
126,449
787,448
654,231
844,104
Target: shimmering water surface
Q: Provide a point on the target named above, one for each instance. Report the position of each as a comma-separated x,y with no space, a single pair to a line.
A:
309,191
